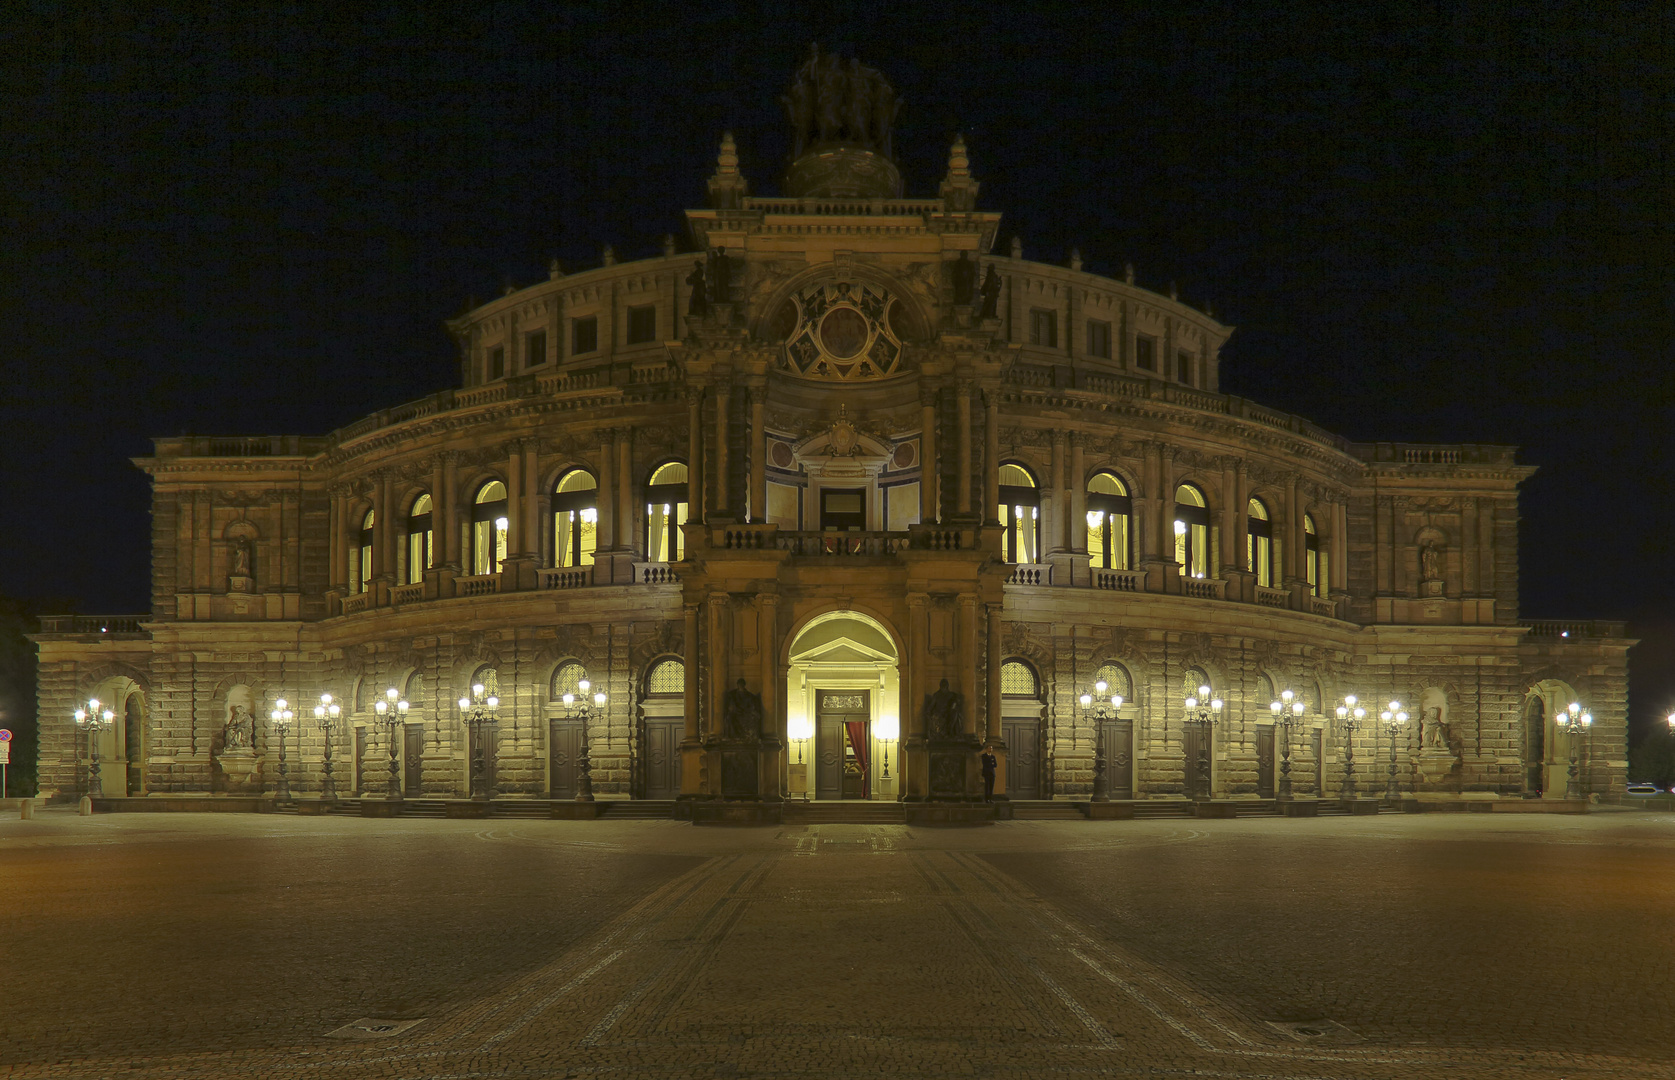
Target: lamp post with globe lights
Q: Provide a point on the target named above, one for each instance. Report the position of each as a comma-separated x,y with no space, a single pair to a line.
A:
1576,724
801,730
281,718
327,714
1287,711
1095,706
392,713
1394,717
478,711
94,718
583,707
1349,714
888,730
1203,711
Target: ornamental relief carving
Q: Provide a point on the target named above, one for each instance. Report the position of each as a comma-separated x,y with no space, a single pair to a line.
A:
1032,641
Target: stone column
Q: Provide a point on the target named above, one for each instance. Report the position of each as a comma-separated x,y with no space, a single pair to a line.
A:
930,472
915,757
606,538
450,517
968,660
383,563
695,453
439,514
626,506
758,450
991,460
1056,516
1230,518
962,403
1340,547
514,509
723,391
770,784
691,746
339,552
995,736
531,500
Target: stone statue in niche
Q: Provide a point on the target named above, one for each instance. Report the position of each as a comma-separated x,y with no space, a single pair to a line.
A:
944,713
240,732
991,295
241,557
741,713
1430,562
721,276
963,273
699,304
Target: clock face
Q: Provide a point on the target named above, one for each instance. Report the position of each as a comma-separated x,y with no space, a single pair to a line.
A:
841,330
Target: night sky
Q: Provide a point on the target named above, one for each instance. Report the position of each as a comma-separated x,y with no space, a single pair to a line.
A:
1430,223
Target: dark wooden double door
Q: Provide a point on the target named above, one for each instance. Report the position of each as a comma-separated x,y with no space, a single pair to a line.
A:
1023,757
1117,746
842,765
662,757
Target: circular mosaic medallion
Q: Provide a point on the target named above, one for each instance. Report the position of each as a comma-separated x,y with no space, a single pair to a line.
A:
843,332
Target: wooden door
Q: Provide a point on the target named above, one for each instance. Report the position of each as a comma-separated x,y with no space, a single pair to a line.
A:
838,773
483,737
1196,765
361,763
1119,759
564,751
1317,745
663,758
1023,758
1265,761
413,751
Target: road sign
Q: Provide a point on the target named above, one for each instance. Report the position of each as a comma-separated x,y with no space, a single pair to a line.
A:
5,735
5,753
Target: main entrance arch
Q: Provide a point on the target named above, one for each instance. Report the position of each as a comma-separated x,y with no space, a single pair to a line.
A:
843,708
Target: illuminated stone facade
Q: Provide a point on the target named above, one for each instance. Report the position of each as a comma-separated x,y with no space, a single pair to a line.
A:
841,451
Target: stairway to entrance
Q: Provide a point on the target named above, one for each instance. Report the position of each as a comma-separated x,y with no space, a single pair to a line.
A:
846,812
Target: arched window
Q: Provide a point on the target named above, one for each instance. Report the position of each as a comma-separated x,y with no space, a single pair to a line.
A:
1017,679
1265,695
488,528
575,519
1116,680
1193,680
1192,532
1109,512
1314,561
488,679
567,679
419,539
1259,543
1020,506
666,677
666,502
361,564
415,693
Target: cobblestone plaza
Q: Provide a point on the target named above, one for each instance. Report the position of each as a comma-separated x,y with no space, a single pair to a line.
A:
210,945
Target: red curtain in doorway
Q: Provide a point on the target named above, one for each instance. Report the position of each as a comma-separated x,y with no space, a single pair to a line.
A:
858,742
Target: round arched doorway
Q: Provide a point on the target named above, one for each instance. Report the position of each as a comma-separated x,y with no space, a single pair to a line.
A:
843,699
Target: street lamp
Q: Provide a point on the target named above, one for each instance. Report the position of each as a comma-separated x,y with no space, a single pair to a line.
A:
1100,713
1204,711
1287,710
281,718
801,730
392,713
1393,718
889,728
96,718
1576,724
1349,714
584,708
327,714
478,712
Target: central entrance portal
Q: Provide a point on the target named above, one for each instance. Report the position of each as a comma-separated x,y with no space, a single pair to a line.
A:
842,693
843,764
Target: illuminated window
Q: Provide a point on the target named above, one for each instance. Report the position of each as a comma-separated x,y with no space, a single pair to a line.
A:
419,539
668,677
1259,543
1195,680
488,528
575,519
361,564
1192,532
1116,680
1110,512
567,680
1020,508
1314,559
1017,680
666,502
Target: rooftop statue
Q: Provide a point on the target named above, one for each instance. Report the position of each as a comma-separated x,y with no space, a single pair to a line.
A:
844,104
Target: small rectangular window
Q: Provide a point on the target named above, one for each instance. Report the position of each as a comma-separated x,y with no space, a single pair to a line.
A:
1145,354
584,335
642,324
784,502
535,349
1044,328
497,362
1099,339
1183,367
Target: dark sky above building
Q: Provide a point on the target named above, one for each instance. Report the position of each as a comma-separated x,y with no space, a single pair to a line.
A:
1443,223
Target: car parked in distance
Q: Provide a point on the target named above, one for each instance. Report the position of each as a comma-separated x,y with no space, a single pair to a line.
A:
1643,787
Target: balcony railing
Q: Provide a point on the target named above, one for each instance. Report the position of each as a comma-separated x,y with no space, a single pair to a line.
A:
93,624
1030,574
1550,629
356,602
477,585
1275,598
1204,588
655,573
1324,605
407,594
1119,580
564,577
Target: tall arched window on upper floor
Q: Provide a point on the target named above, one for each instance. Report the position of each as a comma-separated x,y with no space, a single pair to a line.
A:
420,537
361,564
1110,511
575,519
666,503
488,528
1259,543
1314,560
1192,531
1020,507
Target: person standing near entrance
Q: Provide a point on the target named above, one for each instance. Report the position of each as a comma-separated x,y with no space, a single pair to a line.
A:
989,762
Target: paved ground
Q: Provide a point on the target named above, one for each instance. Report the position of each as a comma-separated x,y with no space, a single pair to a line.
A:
217,945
